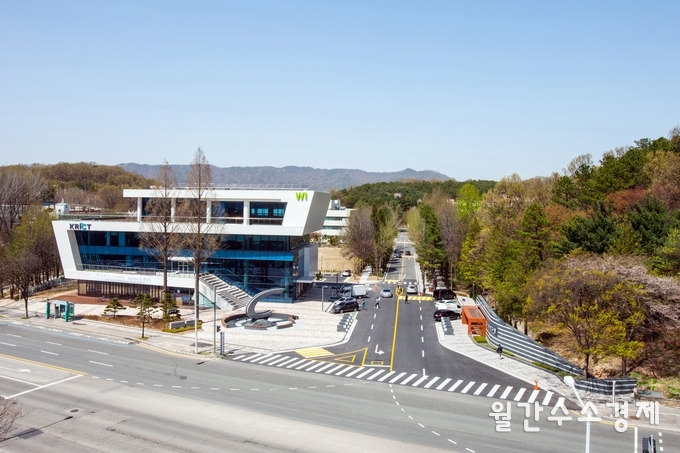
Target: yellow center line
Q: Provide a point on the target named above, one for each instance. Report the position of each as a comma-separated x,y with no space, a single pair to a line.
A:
394,338
43,364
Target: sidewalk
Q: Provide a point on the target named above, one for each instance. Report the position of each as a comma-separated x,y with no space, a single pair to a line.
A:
462,343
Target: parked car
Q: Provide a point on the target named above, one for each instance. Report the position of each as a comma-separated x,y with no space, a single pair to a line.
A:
411,289
386,292
439,314
449,305
397,255
407,253
346,273
444,294
345,304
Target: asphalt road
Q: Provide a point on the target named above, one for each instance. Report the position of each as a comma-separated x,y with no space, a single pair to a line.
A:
132,399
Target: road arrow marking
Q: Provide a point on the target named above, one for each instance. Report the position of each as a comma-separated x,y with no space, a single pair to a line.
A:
377,351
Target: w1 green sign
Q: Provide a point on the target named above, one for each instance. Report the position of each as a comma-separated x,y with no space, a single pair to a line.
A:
301,196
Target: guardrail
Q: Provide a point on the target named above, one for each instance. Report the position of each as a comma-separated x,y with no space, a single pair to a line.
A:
622,386
497,331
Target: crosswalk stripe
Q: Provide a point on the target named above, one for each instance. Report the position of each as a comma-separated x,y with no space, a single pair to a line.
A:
371,377
335,368
296,363
238,357
454,386
305,365
480,388
310,353
286,362
519,394
393,380
443,384
429,384
546,400
415,384
324,367
247,359
277,360
408,379
318,364
355,371
266,358
492,392
343,371
506,392
386,376
467,387
369,370
533,396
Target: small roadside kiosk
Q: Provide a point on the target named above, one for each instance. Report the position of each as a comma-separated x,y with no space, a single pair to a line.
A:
62,309
475,320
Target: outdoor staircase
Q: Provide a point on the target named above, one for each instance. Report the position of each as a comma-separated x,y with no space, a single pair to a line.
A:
232,295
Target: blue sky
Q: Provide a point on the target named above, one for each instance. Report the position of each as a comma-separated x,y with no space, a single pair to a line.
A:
475,90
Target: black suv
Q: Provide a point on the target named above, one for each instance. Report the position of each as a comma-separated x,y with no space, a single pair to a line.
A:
342,306
439,314
443,294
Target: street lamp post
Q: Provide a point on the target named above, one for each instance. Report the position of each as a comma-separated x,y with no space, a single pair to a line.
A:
570,382
214,320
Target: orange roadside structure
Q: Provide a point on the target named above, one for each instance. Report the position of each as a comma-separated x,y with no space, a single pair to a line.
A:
475,320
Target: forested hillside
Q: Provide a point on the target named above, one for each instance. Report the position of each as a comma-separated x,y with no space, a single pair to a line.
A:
591,255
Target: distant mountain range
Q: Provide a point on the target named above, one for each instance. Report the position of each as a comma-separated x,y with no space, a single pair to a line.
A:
314,178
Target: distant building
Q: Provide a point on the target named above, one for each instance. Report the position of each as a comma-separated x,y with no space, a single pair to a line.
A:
336,219
264,243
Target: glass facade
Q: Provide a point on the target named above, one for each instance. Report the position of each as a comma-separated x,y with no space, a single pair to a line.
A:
252,262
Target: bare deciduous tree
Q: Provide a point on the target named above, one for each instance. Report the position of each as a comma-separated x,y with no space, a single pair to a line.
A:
19,188
160,232
357,239
10,411
198,240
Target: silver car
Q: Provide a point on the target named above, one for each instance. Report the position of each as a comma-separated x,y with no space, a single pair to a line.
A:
386,292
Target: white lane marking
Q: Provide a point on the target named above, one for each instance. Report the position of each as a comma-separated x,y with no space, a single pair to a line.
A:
343,371
294,359
276,361
98,352
452,441
421,327
423,351
386,376
158,385
296,363
374,315
247,359
304,365
493,390
470,450
355,372
266,358
335,368
109,379
48,352
99,363
124,382
421,317
533,396
422,339
95,377
371,326
12,335
417,383
546,400
421,308
429,384
7,344
214,388
292,388
234,390
506,392
370,378
519,394
454,386
315,366
370,370
408,379
421,425
324,368
312,387
239,357
18,380
140,383
435,433
252,390
330,386
480,388
443,384
467,387
52,342
395,379
369,338
177,386
44,386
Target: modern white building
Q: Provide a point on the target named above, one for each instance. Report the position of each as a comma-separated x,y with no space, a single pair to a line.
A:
337,218
263,242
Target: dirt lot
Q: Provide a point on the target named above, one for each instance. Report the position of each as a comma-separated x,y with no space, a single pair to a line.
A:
330,260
